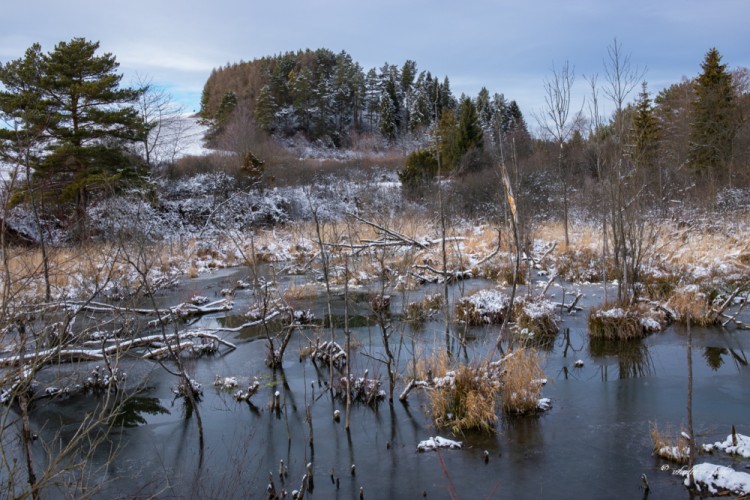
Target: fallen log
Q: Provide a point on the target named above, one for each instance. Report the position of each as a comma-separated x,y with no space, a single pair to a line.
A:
73,354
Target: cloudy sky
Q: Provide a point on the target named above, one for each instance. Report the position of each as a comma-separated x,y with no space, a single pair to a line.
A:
507,46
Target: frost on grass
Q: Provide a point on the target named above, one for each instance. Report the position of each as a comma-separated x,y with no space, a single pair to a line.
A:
537,316
668,447
617,323
436,442
484,307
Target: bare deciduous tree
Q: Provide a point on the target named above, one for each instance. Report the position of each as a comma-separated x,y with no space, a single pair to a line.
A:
556,122
165,121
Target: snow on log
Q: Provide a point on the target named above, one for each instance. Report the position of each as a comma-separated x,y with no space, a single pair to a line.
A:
718,480
734,444
436,442
68,355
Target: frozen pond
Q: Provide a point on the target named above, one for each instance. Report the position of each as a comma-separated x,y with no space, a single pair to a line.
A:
593,443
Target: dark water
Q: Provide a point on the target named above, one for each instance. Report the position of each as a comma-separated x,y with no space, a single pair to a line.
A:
593,443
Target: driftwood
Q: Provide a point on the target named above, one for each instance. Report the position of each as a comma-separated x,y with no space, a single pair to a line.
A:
246,395
268,317
329,352
72,354
413,384
452,276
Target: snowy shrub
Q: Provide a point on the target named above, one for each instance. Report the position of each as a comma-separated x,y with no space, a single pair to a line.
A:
466,400
486,307
538,316
614,323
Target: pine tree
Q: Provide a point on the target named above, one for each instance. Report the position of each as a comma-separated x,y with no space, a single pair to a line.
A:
713,118
81,116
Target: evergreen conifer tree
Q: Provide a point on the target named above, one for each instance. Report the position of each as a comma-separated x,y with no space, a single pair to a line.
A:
645,131
713,122
81,117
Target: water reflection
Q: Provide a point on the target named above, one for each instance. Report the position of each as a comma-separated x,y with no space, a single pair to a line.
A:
131,411
714,357
633,357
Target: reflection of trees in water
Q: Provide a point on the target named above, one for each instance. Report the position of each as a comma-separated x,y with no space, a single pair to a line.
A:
714,357
633,357
130,413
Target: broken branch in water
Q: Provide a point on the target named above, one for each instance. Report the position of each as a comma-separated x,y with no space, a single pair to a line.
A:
71,354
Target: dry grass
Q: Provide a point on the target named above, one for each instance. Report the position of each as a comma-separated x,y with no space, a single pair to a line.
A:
522,381
582,265
614,323
467,403
674,449
660,285
536,316
304,291
501,269
85,269
421,310
470,314
691,303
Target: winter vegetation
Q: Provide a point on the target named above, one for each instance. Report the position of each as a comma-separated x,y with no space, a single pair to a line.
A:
352,190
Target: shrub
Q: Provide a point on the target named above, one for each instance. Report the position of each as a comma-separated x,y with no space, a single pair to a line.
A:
419,311
421,167
626,323
584,265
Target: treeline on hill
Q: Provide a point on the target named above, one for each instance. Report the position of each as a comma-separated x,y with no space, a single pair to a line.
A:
328,97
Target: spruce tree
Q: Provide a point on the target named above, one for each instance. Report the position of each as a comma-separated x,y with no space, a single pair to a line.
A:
713,122
469,131
644,131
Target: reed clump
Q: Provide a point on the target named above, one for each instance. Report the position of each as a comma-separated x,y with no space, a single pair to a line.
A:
668,447
522,381
465,399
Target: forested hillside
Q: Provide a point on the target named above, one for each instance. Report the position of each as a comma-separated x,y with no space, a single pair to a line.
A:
328,96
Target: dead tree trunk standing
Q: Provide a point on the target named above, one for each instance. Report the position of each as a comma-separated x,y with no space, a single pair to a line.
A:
27,438
348,335
516,243
324,257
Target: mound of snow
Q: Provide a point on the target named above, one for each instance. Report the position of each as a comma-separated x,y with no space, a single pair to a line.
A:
436,442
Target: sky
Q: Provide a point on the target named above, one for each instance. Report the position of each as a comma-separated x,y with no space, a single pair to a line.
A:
510,47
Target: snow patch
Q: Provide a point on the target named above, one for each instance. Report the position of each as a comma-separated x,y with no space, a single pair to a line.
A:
741,447
436,442
718,479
